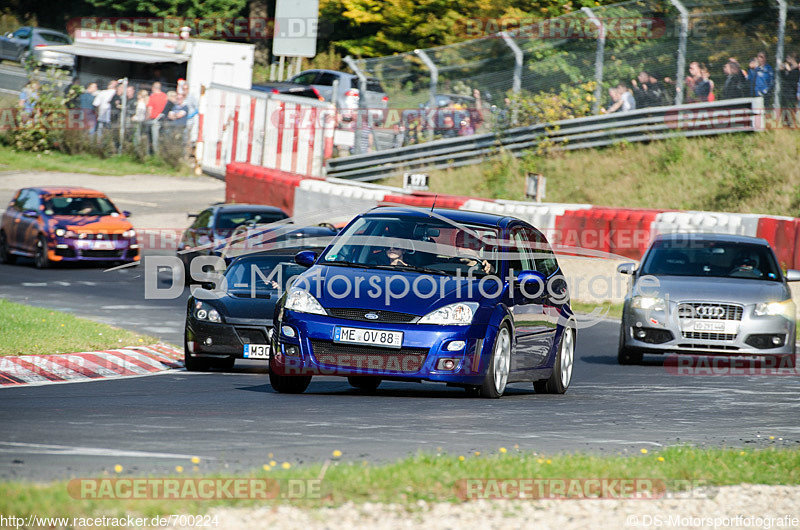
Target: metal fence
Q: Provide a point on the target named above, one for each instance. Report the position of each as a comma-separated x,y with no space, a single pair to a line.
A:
607,44
657,123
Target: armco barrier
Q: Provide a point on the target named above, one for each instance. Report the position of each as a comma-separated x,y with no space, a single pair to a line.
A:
246,183
781,232
619,231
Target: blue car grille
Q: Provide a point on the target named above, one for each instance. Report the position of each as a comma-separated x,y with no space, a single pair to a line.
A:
407,360
391,317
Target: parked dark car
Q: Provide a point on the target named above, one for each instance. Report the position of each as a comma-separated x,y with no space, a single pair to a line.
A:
26,41
348,92
238,324
215,224
66,224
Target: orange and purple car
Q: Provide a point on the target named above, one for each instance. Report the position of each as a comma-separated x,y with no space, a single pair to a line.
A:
62,224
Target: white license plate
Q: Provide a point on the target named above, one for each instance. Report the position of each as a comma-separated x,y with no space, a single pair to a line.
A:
711,326
372,337
256,351
102,245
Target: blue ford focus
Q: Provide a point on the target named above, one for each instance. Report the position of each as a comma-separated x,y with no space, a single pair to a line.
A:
469,299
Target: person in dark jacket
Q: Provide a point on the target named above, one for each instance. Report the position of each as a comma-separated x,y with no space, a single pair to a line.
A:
790,77
736,85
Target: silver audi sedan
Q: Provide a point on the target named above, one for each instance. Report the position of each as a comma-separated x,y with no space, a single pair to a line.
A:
710,294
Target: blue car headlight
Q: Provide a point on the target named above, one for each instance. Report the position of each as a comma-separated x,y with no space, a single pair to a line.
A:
458,314
301,301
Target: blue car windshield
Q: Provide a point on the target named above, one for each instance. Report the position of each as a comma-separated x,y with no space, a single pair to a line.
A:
78,206
262,272
720,259
230,220
431,245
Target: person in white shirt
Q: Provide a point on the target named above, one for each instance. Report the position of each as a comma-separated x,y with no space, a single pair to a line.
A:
102,104
623,99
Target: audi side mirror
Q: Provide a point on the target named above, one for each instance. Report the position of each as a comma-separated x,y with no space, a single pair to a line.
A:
793,275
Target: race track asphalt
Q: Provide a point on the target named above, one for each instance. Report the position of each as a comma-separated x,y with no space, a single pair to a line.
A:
234,420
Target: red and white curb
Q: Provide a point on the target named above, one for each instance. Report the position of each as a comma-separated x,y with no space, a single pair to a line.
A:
88,366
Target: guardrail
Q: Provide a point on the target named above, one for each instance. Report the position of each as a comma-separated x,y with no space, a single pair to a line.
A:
654,123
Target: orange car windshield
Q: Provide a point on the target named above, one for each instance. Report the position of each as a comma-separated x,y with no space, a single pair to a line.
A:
63,205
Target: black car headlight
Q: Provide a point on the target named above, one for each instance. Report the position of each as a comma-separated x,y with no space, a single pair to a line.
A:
203,311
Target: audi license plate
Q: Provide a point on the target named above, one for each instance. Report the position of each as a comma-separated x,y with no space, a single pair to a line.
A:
256,351
371,337
710,326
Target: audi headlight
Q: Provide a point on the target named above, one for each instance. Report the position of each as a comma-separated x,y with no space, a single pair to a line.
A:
458,314
786,309
648,302
203,311
301,301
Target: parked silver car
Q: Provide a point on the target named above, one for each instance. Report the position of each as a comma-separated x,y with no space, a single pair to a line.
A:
348,92
26,41
708,294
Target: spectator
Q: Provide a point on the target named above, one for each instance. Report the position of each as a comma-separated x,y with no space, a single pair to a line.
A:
139,115
706,78
761,76
28,97
790,77
466,127
116,103
177,115
698,87
155,107
623,99
658,95
87,108
102,104
171,98
449,126
641,90
735,82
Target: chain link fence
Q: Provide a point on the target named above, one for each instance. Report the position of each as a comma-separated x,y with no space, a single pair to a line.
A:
677,42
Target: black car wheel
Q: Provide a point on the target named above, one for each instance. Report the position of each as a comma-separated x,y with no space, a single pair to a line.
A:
562,368
40,258
365,383
288,384
494,384
625,354
5,254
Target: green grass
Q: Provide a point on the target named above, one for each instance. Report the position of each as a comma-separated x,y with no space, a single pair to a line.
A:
436,478
748,173
27,330
11,160
614,310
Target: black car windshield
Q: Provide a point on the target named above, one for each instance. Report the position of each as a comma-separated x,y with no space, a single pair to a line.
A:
78,206
262,272
719,259
230,220
431,245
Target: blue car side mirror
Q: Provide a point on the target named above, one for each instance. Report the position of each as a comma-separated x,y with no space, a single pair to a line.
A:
126,213
533,284
32,214
305,258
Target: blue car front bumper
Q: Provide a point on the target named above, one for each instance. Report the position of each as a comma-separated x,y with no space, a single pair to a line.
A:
422,356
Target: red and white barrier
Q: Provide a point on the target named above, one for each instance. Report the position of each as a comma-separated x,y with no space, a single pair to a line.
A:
624,232
86,366
275,131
